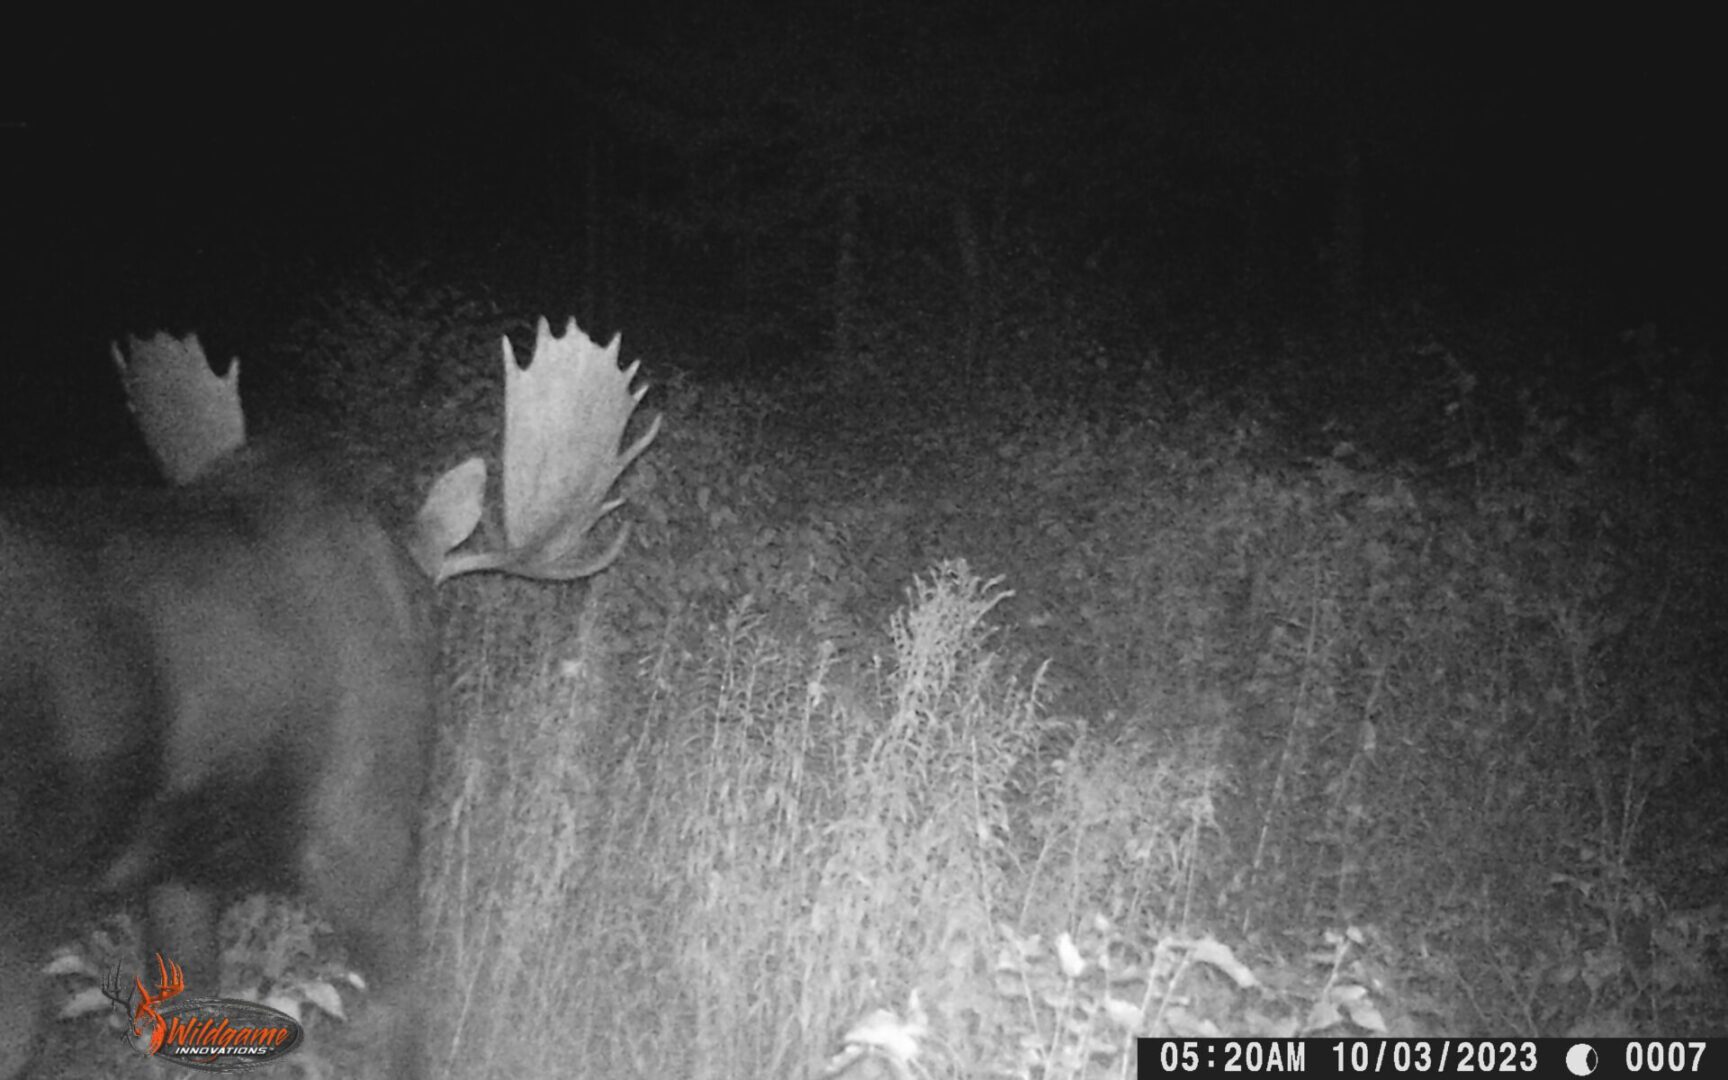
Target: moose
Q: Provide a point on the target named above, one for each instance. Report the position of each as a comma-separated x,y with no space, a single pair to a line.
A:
226,683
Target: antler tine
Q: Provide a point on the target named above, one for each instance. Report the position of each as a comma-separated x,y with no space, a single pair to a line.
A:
114,989
189,416
564,416
171,978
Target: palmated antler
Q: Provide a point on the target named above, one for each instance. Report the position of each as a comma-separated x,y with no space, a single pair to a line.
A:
189,415
564,417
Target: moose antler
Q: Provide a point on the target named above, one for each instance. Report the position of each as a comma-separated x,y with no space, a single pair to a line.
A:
564,416
189,415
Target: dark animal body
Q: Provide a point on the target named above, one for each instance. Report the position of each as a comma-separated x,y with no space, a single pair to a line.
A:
228,685
225,688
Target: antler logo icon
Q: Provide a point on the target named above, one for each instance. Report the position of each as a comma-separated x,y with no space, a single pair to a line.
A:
170,981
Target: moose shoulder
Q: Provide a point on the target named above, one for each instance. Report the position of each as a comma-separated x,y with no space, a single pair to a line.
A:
225,684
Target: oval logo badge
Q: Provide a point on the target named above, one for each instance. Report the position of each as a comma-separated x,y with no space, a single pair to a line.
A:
221,1034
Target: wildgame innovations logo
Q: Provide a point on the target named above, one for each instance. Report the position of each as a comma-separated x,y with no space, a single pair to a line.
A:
207,1034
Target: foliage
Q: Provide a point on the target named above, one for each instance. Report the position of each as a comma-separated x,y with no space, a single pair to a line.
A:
1415,717
274,952
1310,709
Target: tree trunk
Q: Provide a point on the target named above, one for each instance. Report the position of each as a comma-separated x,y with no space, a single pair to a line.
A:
1347,232
844,353
971,284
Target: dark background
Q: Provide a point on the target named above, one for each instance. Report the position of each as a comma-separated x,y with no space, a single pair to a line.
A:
692,171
